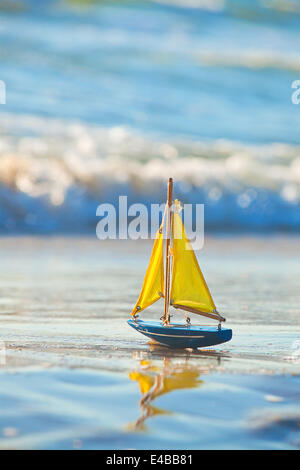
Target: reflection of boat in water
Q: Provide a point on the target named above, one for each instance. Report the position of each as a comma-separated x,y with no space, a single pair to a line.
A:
155,381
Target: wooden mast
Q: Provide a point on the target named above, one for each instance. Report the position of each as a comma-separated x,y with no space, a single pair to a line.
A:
166,317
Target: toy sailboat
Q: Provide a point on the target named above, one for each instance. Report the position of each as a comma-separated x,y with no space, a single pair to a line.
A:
182,287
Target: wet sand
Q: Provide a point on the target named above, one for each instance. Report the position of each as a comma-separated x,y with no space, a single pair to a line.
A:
74,375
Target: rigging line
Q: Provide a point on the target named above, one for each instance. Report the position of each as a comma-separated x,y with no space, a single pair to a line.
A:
163,219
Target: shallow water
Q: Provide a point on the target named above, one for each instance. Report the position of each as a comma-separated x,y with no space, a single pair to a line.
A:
74,375
65,409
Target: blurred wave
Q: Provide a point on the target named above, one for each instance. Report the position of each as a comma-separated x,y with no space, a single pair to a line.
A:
54,179
108,97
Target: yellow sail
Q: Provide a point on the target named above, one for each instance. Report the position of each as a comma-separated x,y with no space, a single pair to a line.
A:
188,289
153,285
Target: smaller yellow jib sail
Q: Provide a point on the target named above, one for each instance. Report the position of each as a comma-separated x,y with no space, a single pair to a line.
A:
189,290
153,285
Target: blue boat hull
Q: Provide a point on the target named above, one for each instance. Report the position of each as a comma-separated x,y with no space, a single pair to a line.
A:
182,336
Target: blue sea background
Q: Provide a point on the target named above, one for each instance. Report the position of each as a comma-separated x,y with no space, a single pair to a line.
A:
107,97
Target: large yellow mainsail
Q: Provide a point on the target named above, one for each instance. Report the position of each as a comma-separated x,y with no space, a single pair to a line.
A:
153,286
189,290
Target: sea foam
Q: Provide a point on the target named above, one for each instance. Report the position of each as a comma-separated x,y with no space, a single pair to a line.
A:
54,176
